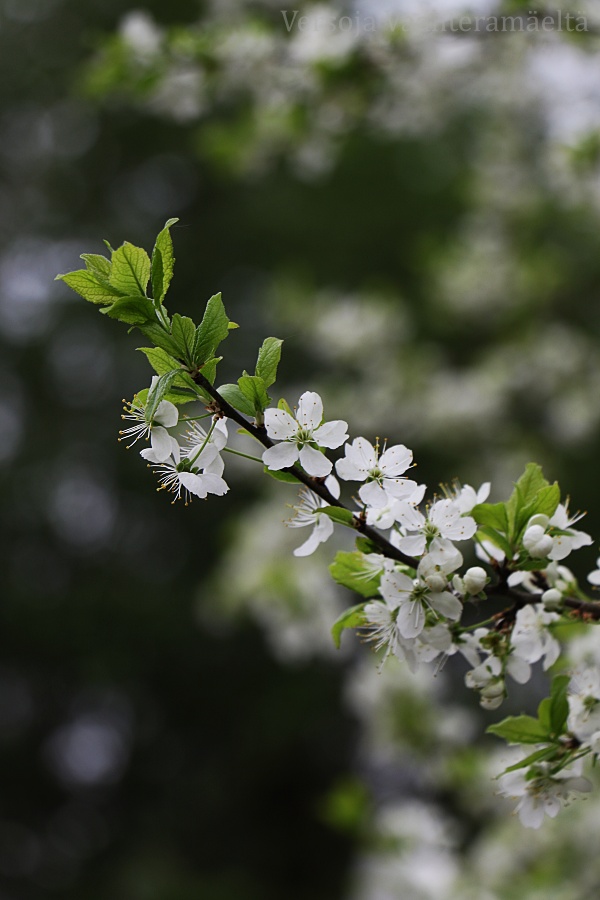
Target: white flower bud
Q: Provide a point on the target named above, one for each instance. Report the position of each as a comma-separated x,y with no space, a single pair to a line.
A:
475,579
493,690
537,543
436,582
552,599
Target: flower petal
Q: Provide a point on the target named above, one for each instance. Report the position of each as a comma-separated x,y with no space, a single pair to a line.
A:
280,456
161,443
446,604
331,434
280,425
373,495
314,463
167,414
322,530
411,619
310,410
395,460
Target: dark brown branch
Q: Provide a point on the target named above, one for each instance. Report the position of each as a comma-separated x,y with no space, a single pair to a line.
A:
314,484
586,609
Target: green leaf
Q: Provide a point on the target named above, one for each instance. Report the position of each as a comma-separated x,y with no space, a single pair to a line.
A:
239,401
157,393
98,265
161,361
281,475
339,515
183,331
130,271
85,283
366,546
559,704
209,369
496,538
520,730
492,514
157,334
543,712
537,756
253,389
354,617
212,330
350,570
544,503
524,497
132,310
163,263
268,360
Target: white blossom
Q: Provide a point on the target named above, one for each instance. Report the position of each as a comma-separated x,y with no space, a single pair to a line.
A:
381,474
166,416
543,794
444,520
466,497
301,436
475,579
178,475
531,639
410,599
584,703
308,513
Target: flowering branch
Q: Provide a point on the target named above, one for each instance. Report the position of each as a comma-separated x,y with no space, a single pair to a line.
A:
406,566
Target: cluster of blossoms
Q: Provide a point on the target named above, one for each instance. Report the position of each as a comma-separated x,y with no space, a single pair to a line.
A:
419,602
192,468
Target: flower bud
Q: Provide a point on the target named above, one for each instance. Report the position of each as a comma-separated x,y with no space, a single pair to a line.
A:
537,543
552,599
436,582
475,579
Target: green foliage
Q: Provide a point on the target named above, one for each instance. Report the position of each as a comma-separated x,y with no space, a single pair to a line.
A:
280,475
213,329
253,389
520,730
354,617
130,270
268,360
163,262
89,285
339,514
504,523
158,392
350,570
183,331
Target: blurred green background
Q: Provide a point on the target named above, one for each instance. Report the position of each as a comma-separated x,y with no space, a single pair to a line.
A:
417,214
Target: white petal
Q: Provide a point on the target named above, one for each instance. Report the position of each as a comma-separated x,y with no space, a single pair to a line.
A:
333,486
373,495
410,517
446,604
331,434
193,483
413,545
213,484
204,459
310,410
279,424
216,467
167,414
315,463
403,489
348,470
322,530
219,435
362,453
394,587
280,456
411,619
161,443
395,460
